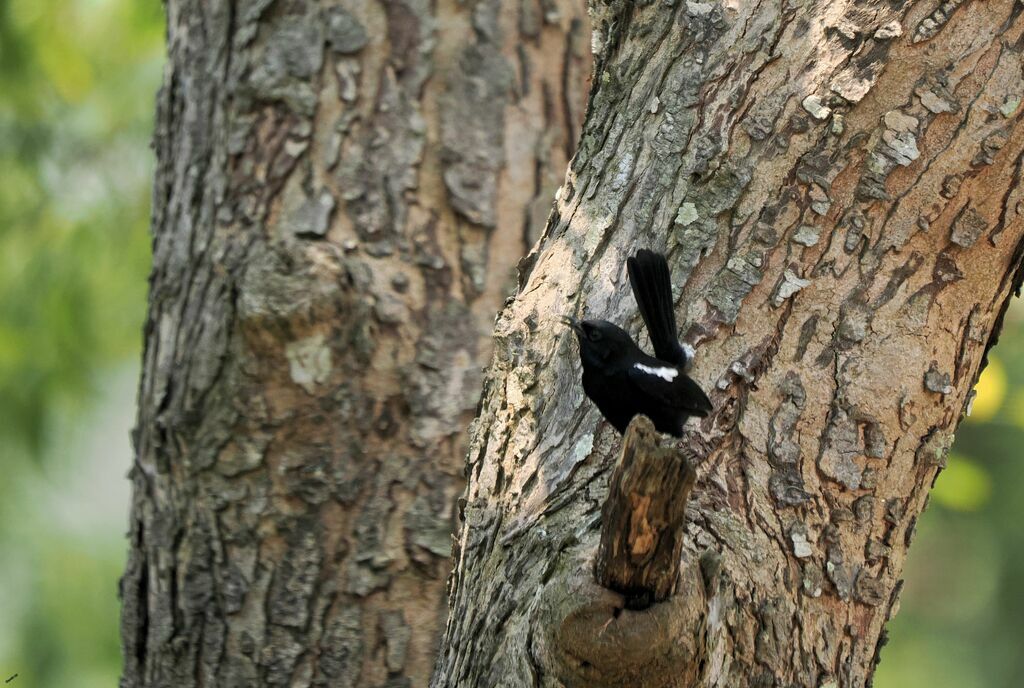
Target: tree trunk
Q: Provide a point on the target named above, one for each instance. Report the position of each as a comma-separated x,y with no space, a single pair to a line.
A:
342,192
838,189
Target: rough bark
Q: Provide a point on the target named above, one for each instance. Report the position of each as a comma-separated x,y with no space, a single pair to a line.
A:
838,188
342,192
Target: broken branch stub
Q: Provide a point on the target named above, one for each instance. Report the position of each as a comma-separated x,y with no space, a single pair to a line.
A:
643,518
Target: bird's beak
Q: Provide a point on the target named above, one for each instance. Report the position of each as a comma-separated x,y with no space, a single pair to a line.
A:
573,323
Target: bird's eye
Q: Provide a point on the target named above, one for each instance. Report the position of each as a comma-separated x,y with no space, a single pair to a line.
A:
595,335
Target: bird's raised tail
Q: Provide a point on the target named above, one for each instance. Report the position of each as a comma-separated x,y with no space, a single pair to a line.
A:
652,287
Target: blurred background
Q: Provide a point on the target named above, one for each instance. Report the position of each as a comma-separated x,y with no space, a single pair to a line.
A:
77,86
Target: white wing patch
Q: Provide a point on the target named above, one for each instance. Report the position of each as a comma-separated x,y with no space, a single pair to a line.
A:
667,374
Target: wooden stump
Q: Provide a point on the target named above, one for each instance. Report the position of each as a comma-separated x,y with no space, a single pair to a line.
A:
643,518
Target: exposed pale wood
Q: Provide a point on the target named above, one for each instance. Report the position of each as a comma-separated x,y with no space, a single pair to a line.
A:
643,517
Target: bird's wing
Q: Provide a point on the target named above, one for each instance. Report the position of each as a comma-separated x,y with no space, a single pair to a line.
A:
670,386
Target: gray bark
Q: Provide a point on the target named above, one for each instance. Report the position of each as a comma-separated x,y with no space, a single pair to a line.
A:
838,189
342,191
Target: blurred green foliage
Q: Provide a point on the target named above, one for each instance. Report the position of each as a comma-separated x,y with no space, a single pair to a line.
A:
77,80
77,86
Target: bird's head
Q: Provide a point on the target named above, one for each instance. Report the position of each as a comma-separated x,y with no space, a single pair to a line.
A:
600,341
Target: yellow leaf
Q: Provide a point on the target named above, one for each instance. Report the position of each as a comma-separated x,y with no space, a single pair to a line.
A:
68,70
990,390
963,485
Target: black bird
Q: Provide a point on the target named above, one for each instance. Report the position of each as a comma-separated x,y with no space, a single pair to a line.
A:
624,381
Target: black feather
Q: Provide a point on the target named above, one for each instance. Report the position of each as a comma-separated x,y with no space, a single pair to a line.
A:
652,287
623,380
